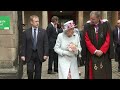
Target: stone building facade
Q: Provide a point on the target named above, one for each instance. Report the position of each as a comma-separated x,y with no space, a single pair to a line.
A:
9,38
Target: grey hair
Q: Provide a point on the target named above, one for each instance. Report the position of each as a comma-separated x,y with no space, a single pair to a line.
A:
96,13
33,16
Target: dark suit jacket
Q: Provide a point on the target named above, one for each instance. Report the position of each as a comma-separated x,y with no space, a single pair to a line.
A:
82,42
115,39
52,35
42,44
115,36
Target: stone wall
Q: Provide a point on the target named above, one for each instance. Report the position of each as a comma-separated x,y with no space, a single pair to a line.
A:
9,41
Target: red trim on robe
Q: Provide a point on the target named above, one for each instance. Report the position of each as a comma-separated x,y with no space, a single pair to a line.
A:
90,70
104,48
89,45
92,49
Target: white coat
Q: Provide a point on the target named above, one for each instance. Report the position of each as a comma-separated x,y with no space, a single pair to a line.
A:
66,59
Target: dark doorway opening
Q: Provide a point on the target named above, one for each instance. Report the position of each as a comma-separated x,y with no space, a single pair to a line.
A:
63,15
20,31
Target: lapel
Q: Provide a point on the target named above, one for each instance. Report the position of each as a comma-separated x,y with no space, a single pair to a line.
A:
93,35
39,34
54,29
31,36
117,33
100,34
100,31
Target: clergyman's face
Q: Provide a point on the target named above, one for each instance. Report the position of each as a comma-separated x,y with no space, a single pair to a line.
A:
35,22
94,19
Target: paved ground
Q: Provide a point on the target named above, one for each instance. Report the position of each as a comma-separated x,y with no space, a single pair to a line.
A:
115,73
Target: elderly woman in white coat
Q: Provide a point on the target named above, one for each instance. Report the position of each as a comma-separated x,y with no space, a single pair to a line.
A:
68,47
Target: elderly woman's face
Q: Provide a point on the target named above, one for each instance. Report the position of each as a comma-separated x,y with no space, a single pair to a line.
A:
70,32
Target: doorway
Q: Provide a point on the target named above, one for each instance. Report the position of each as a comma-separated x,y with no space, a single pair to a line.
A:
62,15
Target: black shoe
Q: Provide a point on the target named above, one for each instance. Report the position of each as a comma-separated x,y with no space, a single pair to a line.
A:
79,73
50,72
56,71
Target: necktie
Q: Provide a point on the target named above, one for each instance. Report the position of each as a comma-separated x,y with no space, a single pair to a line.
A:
35,40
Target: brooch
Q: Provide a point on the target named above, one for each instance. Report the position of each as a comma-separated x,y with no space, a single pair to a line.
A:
101,66
101,35
95,67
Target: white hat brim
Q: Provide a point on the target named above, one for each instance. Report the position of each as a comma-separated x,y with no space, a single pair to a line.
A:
70,28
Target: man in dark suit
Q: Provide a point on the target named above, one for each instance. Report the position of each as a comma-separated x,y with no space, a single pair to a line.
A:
52,32
34,48
116,38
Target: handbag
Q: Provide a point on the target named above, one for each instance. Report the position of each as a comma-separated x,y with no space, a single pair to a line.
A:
80,61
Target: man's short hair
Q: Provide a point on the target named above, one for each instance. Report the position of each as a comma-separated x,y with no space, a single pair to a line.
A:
33,16
54,18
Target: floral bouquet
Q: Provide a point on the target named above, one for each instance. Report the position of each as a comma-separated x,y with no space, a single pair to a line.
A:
72,47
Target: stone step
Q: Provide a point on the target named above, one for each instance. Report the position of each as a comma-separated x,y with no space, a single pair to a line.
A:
8,74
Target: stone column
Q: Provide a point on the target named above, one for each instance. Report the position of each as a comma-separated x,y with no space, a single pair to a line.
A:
23,17
114,18
104,14
44,19
80,20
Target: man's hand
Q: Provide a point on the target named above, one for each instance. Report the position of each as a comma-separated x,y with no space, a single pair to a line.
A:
98,53
23,58
45,57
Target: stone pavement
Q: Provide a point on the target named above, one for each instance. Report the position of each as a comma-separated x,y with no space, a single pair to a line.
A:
115,73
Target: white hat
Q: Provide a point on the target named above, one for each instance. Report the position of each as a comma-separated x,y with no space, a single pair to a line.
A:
68,25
